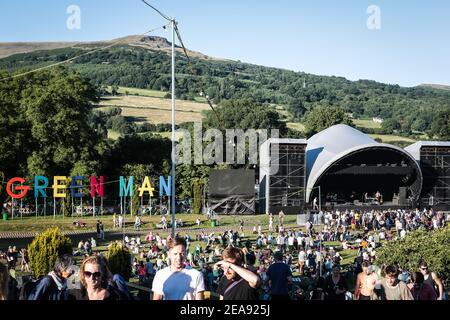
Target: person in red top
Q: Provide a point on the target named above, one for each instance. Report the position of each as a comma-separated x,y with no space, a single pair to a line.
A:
421,290
141,271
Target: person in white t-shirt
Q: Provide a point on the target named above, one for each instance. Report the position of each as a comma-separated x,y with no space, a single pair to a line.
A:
291,241
402,233
176,282
301,261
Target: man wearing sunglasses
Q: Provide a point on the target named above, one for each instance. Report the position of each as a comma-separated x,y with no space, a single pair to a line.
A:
432,279
176,282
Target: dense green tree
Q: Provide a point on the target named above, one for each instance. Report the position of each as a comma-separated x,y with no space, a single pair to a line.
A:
440,127
243,114
186,174
322,117
420,245
45,125
390,126
130,151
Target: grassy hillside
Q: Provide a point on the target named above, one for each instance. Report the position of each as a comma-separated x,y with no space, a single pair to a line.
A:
142,66
154,110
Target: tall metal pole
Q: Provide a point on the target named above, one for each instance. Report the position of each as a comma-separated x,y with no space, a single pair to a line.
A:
173,128
320,201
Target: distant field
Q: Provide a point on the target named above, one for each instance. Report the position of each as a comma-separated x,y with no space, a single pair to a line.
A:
387,138
155,110
142,92
200,99
113,135
366,124
296,126
283,112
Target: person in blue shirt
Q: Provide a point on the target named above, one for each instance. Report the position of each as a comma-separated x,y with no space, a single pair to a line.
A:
280,277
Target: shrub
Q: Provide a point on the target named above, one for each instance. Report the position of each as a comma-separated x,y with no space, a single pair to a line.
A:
432,247
119,259
44,250
198,188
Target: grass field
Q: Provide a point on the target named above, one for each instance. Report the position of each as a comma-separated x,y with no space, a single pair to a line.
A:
155,110
366,123
284,114
387,138
33,224
229,222
141,92
296,126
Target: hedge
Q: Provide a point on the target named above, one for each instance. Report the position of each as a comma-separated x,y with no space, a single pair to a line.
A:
45,248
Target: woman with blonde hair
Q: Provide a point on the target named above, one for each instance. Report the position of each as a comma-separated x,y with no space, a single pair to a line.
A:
96,280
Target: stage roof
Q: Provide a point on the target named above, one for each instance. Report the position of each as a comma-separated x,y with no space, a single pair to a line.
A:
330,145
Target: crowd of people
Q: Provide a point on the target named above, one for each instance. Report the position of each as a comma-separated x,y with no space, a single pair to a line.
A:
228,265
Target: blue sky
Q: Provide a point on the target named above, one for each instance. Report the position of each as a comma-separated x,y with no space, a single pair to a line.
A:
321,37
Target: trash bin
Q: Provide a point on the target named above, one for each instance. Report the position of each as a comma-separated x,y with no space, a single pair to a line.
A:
5,216
213,223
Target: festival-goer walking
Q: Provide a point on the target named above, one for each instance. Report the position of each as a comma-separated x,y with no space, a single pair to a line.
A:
98,229
421,290
335,285
432,279
176,282
280,277
390,288
102,231
365,282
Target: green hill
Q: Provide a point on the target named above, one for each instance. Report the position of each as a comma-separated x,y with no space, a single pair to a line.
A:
141,63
